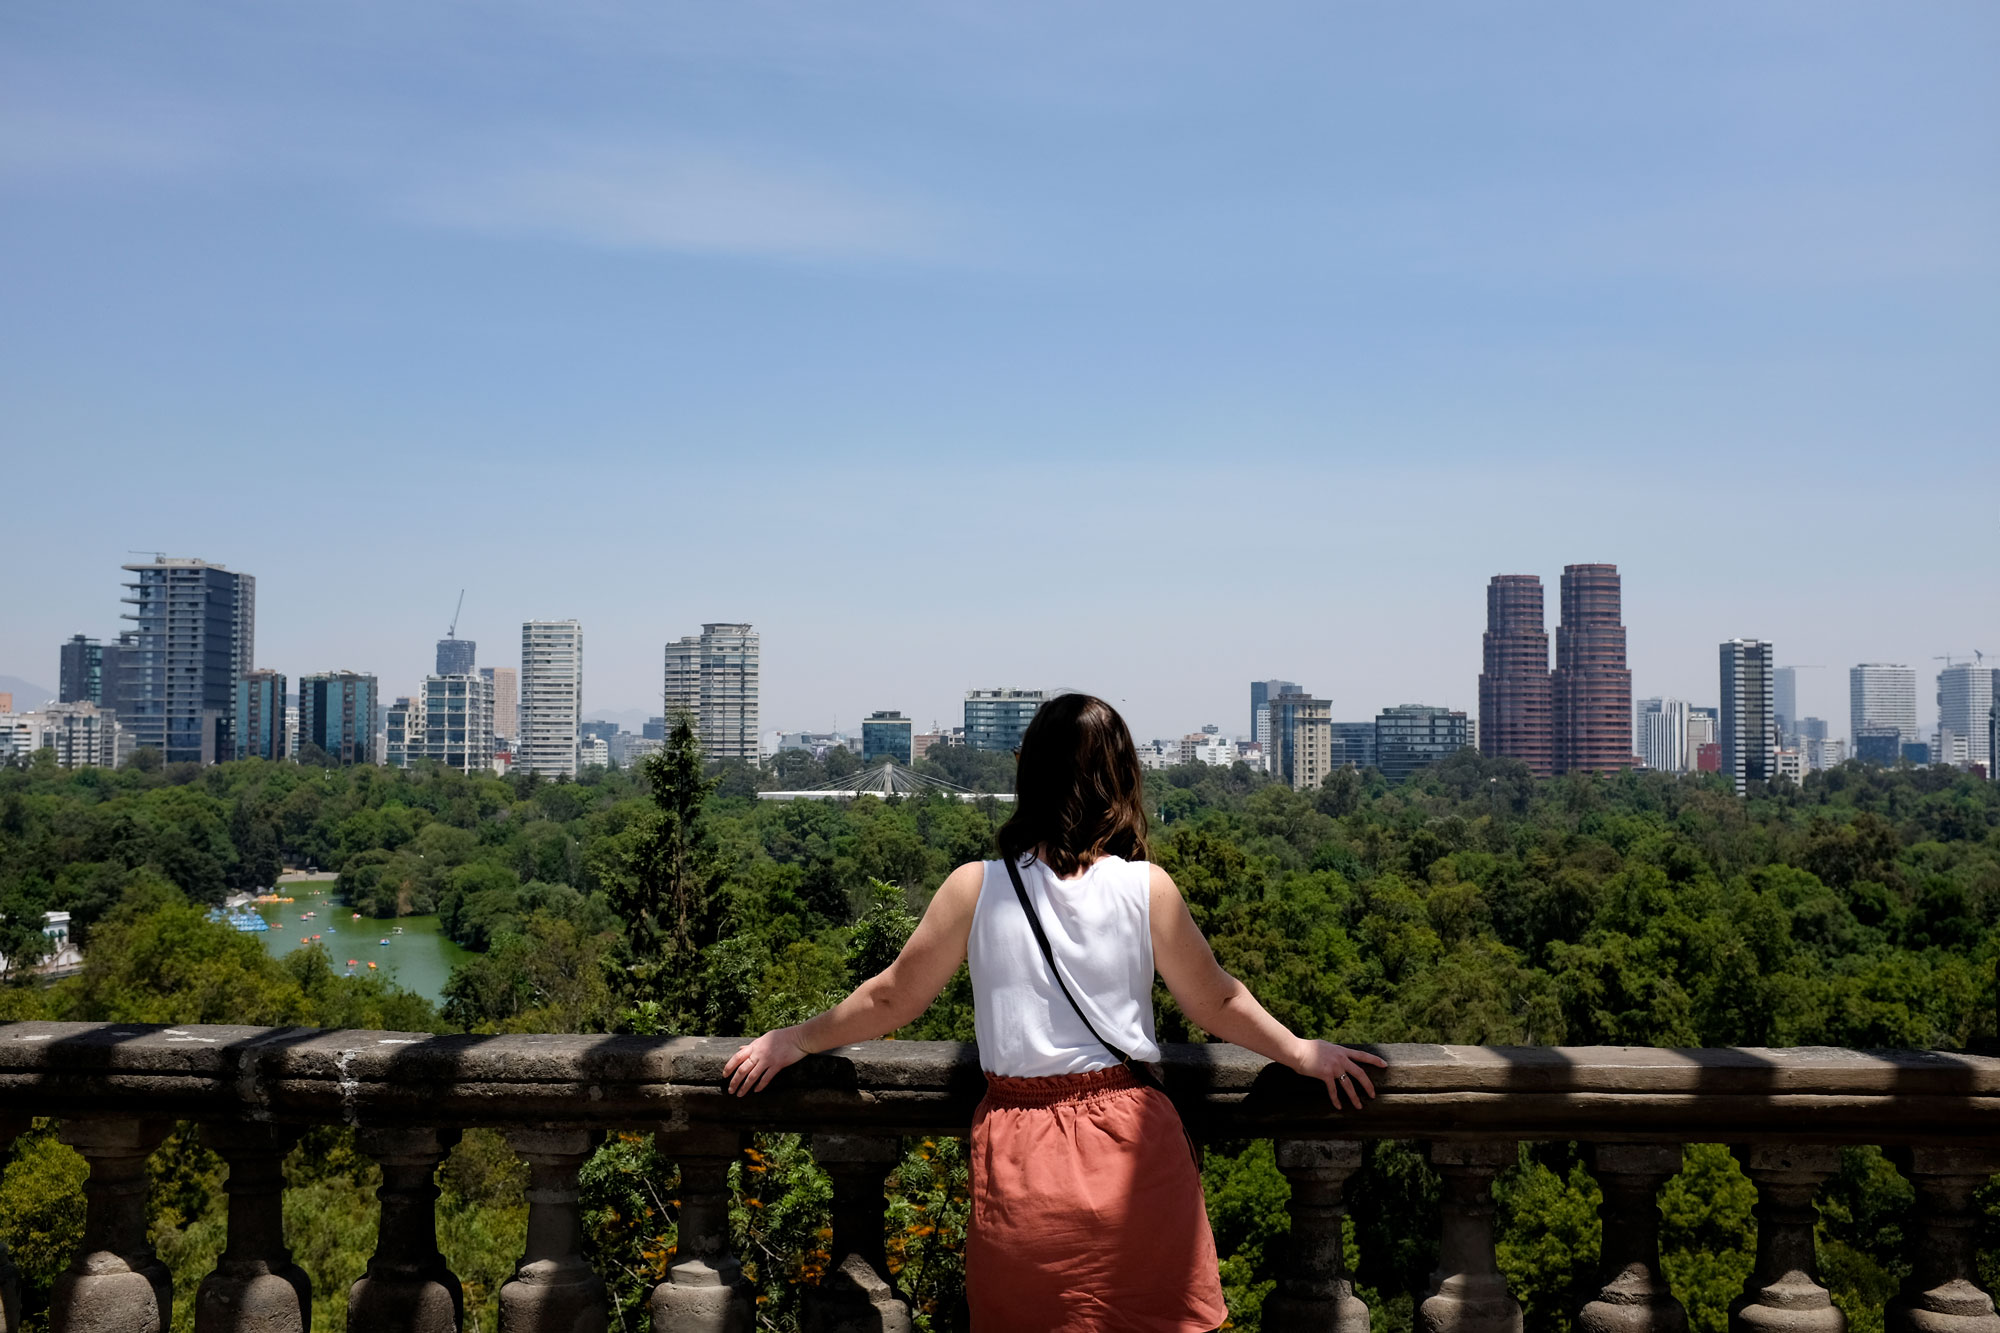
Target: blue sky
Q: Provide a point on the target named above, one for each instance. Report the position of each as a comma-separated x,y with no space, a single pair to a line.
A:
1146,348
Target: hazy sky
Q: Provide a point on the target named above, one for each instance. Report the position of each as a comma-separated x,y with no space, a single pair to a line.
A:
1148,348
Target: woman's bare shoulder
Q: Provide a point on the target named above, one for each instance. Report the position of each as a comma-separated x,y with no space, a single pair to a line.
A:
961,887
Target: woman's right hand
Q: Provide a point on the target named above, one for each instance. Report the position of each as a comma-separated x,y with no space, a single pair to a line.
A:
753,1067
1339,1068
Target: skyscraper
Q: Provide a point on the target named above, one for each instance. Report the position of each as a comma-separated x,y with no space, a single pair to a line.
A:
81,679
1516,709
1882,694
551,697
195,636
1964,698
1261,694
1993,733
506,705
337,714
1785,701
1749,714
260,715
455,656
454,724
1591,689
1301,732
887,736
1660,734
997,719
715,677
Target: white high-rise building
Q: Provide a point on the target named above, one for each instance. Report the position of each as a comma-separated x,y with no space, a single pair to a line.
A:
715,679
454,723
1964,698
551,709
1749,719
1660,734
1882,694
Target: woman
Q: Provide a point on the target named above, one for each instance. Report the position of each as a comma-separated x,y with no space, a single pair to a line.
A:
1087,1209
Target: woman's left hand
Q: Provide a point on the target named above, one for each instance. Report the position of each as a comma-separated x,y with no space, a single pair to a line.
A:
752,1068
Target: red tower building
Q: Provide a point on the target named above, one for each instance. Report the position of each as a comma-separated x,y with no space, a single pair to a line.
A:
1592,686
1516,717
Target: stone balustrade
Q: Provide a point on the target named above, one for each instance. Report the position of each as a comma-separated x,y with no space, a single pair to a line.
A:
118,1088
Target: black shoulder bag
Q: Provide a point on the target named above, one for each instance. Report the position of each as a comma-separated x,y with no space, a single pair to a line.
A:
1148,1074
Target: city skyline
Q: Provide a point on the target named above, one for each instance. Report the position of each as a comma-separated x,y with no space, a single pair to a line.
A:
1821,693
669,306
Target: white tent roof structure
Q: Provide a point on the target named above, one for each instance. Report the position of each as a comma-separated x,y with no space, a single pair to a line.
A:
884,780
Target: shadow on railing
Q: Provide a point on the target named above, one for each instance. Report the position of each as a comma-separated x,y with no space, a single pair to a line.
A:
118,1088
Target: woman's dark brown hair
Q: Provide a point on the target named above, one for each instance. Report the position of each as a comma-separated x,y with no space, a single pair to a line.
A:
1078,790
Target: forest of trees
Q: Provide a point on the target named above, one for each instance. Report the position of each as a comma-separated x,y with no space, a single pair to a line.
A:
1471,904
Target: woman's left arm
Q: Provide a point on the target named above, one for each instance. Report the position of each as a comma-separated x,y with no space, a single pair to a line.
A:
896,995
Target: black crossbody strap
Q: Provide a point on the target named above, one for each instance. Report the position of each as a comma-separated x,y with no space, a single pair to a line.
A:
1049,957
1148,1075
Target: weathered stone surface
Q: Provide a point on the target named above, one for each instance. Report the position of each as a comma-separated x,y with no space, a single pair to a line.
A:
1783,1294
116,1283
255,1288
1314,1293
704,1291
1943,1294
1633,1296
554,1289
1467,1293
408,1288
857,1296
303,1076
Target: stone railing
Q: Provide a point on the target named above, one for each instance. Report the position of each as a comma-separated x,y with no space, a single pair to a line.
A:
117,1089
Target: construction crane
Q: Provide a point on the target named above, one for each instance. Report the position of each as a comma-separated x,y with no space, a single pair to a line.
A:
452,631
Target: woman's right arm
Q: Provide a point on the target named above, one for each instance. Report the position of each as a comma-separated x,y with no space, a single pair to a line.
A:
1222,1006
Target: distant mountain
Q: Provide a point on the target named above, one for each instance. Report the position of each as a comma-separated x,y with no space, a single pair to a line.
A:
628,719
26,693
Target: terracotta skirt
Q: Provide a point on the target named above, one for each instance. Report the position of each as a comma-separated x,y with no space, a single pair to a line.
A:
1087,1211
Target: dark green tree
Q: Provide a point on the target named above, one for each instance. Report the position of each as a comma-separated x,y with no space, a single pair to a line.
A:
667,892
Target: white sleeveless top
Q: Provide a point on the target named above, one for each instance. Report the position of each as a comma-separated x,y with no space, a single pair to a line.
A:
1100,929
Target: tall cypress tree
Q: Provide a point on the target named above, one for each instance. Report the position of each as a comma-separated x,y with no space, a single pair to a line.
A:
668,895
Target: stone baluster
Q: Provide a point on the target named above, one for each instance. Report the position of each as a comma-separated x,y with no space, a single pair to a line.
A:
1783,1294
1467,1293
255,1288
1942,1295
554,1289
1313,1291
11,1128
856,1296
1633,1297
117,1284
407,1287
704,1291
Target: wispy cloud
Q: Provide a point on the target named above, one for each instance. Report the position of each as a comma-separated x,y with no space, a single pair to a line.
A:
678,199
41,143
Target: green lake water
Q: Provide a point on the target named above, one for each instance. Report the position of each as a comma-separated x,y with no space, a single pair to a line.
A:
419,959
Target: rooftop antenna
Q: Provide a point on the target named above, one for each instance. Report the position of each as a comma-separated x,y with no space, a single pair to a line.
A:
452,631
